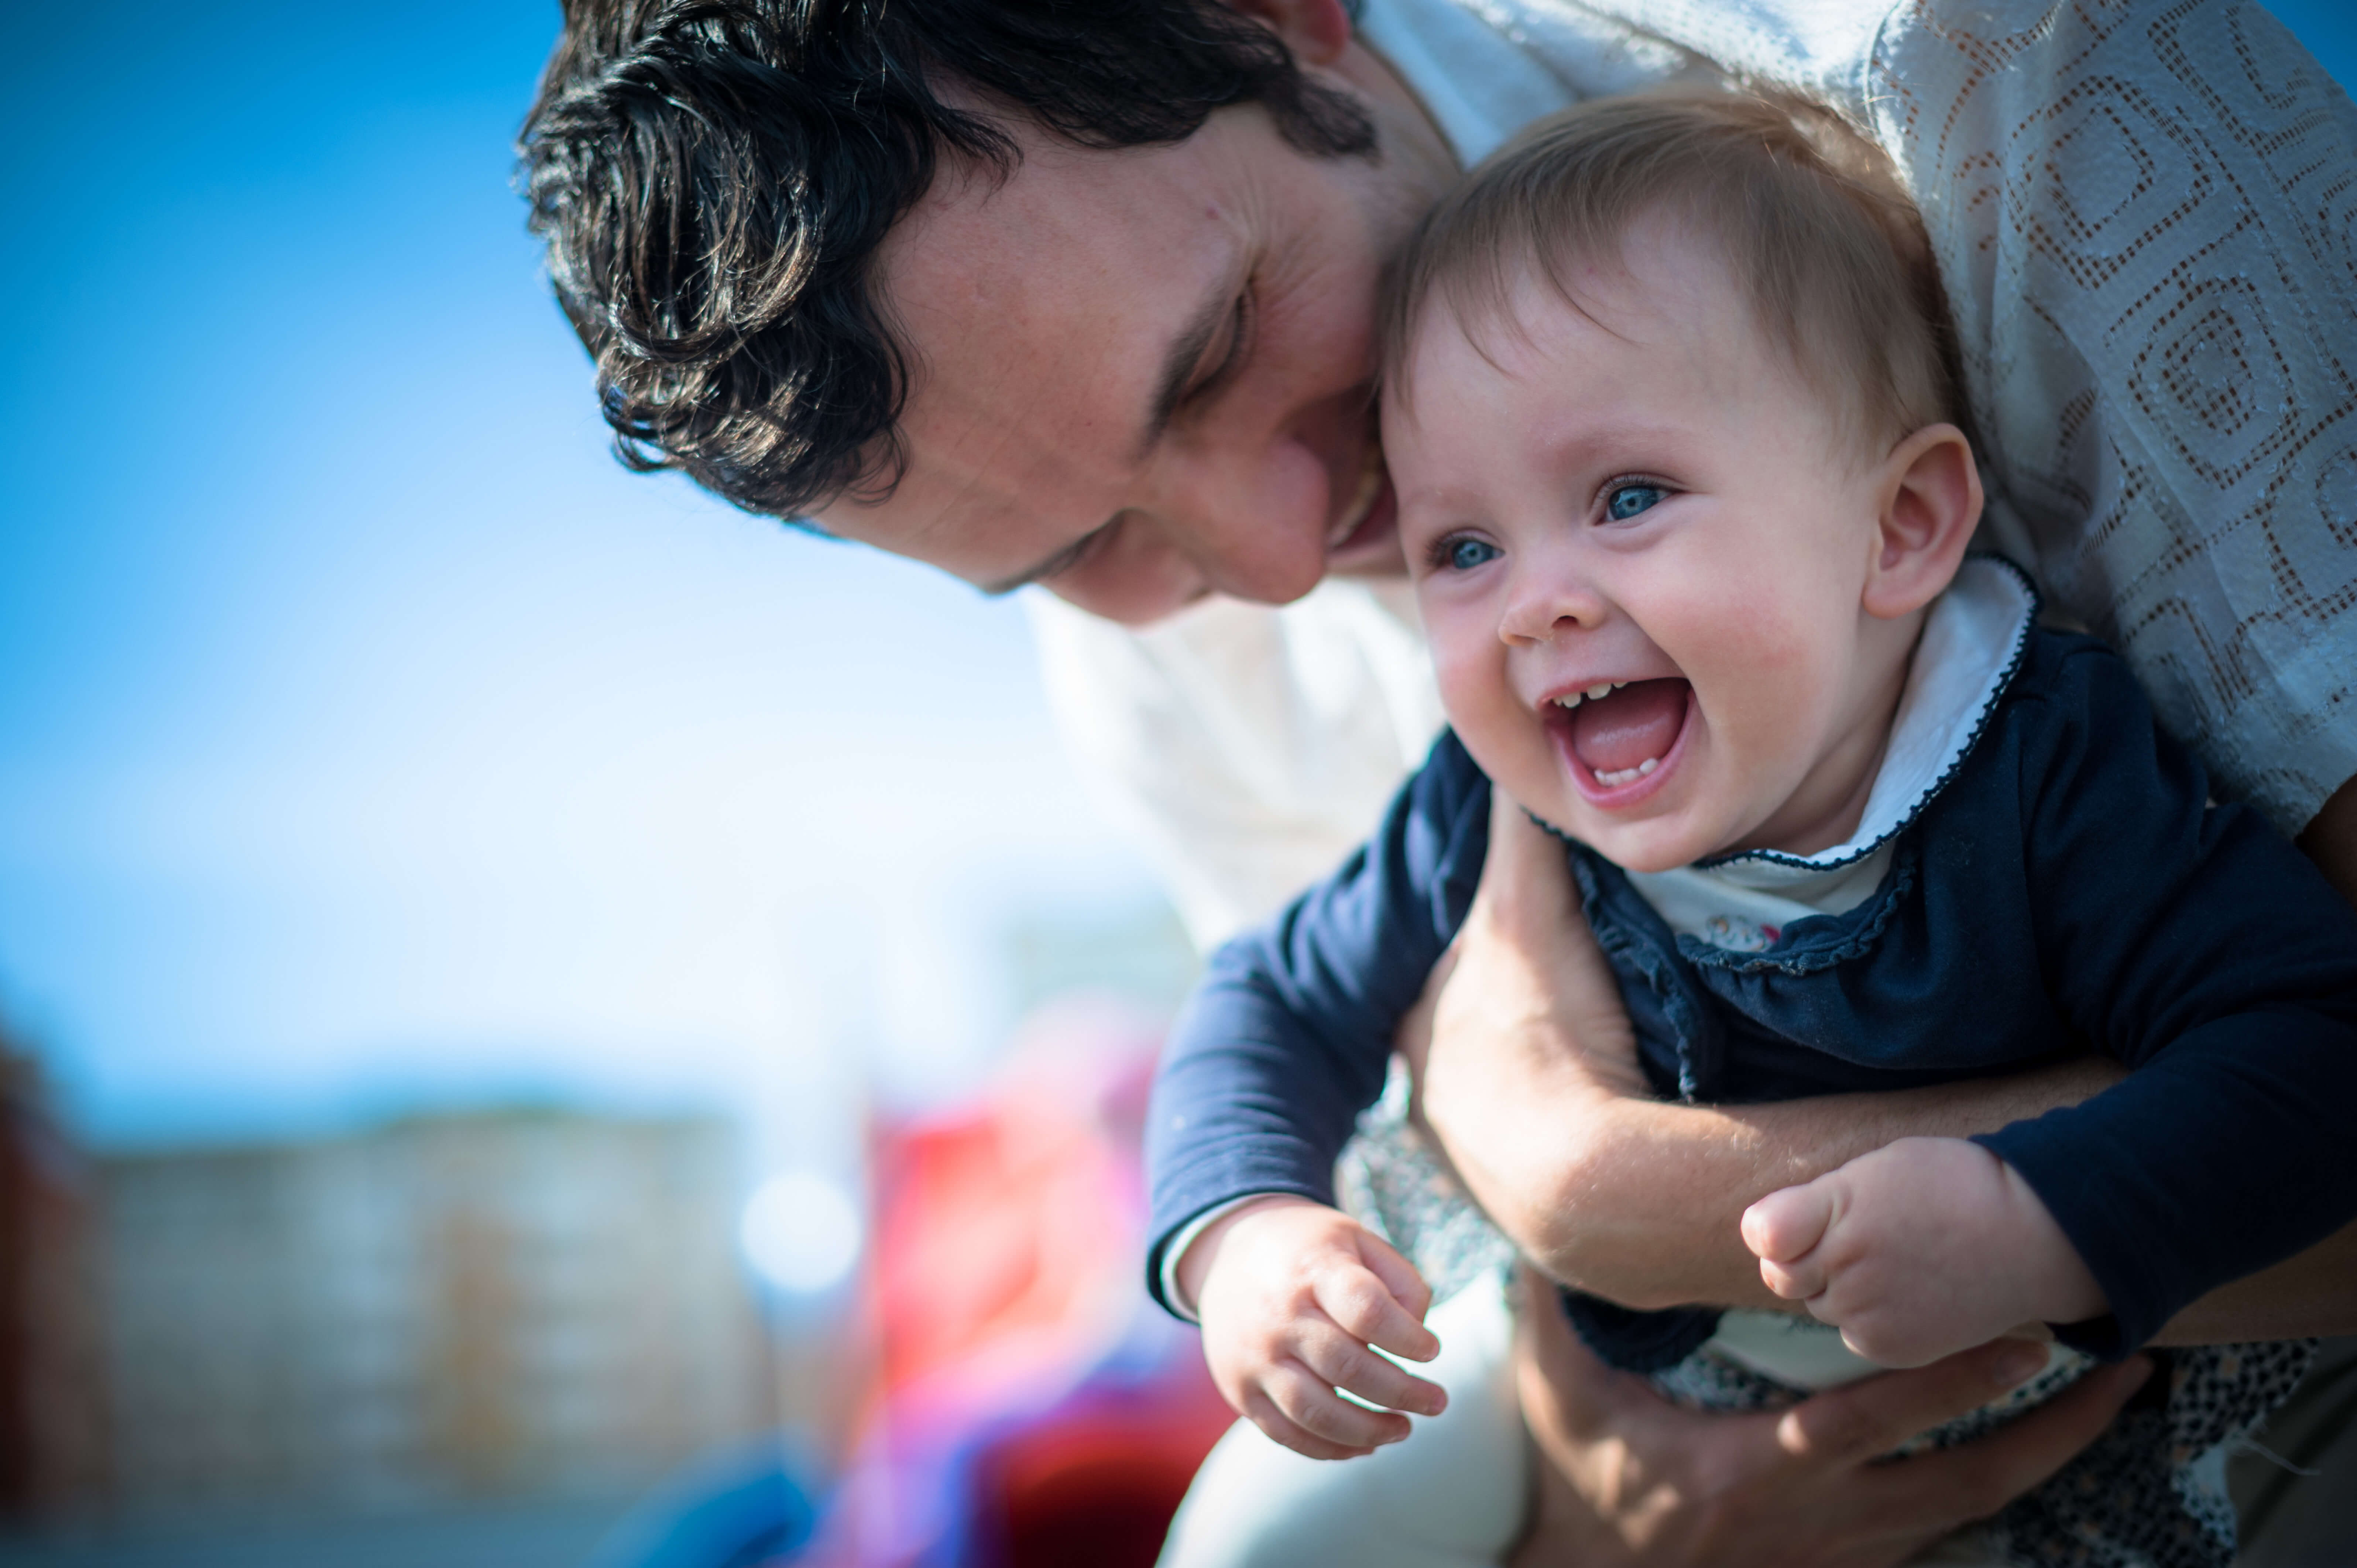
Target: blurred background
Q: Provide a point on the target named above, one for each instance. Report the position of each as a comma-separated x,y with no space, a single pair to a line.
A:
543,1021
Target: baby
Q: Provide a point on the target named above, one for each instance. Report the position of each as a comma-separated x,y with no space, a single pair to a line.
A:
1672,425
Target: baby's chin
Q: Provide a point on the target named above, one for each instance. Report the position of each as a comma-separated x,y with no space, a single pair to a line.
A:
1640,852
1646,845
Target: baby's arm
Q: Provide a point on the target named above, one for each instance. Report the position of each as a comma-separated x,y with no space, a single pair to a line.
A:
1921,1249
2197,949
1283,1044
1291,1293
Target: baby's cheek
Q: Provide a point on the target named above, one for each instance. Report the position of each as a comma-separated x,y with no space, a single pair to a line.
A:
1753,660
1505,738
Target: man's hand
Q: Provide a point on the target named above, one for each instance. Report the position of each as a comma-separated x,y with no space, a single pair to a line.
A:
1628,1480
1920,1249
1291,1293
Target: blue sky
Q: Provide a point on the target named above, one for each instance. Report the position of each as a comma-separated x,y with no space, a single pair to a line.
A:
368,733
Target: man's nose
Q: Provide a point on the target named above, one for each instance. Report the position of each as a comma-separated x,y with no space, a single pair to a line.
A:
1255,527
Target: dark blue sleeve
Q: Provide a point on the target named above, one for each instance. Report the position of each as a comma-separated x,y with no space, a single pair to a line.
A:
1289,1035
2194,944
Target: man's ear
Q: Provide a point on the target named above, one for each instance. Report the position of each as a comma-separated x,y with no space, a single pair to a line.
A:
1317,31
1931,503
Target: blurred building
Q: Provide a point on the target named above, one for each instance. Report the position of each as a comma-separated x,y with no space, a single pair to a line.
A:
445,1309
51,1404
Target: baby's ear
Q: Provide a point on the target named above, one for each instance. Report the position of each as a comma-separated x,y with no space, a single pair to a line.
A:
1931,503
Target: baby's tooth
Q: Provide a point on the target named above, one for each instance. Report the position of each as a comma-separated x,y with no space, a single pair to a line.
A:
1570,701
1648,766
1601,689
1617,684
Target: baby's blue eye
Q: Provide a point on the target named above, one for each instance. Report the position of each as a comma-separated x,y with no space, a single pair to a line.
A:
1626,500
1464,555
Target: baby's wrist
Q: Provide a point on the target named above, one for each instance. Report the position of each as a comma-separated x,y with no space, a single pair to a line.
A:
2059,1287
1191,1274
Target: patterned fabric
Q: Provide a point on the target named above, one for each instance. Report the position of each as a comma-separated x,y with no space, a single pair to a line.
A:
1390,1180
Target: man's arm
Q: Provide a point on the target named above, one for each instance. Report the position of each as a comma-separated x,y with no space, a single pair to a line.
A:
1530,1086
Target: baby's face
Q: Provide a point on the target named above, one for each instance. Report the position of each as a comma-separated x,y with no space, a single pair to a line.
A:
1639,541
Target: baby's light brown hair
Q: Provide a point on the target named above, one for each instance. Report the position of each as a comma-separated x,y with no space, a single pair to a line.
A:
1808,215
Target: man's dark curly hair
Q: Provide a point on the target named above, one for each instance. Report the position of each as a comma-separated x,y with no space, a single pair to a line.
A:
714,178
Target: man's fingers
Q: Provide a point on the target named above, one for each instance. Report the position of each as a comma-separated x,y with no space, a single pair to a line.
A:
1311,1404
1981,1476
1341,1362
1863,1420
1283,1430
1367,1306
1582,1394
1523,862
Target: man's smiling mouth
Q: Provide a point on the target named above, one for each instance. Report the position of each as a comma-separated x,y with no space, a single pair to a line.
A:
1364,542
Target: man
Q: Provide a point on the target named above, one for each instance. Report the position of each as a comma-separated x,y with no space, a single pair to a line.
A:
1079,295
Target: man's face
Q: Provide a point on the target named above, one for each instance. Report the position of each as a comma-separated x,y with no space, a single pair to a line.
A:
1144,376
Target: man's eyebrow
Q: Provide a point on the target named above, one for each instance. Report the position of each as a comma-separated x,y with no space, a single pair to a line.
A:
1178,362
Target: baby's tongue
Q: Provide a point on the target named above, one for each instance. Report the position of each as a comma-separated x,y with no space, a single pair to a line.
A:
1640,722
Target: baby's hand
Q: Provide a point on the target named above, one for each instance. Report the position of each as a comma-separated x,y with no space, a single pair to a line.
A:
1291,1293
1920,1249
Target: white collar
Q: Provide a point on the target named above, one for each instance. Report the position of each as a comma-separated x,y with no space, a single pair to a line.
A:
1972,642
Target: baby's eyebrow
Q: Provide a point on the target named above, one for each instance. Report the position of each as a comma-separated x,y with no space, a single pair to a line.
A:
1615,445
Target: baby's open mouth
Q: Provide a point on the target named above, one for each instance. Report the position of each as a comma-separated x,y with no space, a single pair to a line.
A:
1620,732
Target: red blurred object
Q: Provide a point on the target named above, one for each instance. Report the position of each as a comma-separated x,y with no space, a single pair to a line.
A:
1032,1409
1098,1487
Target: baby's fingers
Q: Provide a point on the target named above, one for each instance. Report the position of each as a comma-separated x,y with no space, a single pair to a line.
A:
1382,1303
1787,1222
1282,1429
1311,1403
1783,1229
1802,1280
1344,1364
